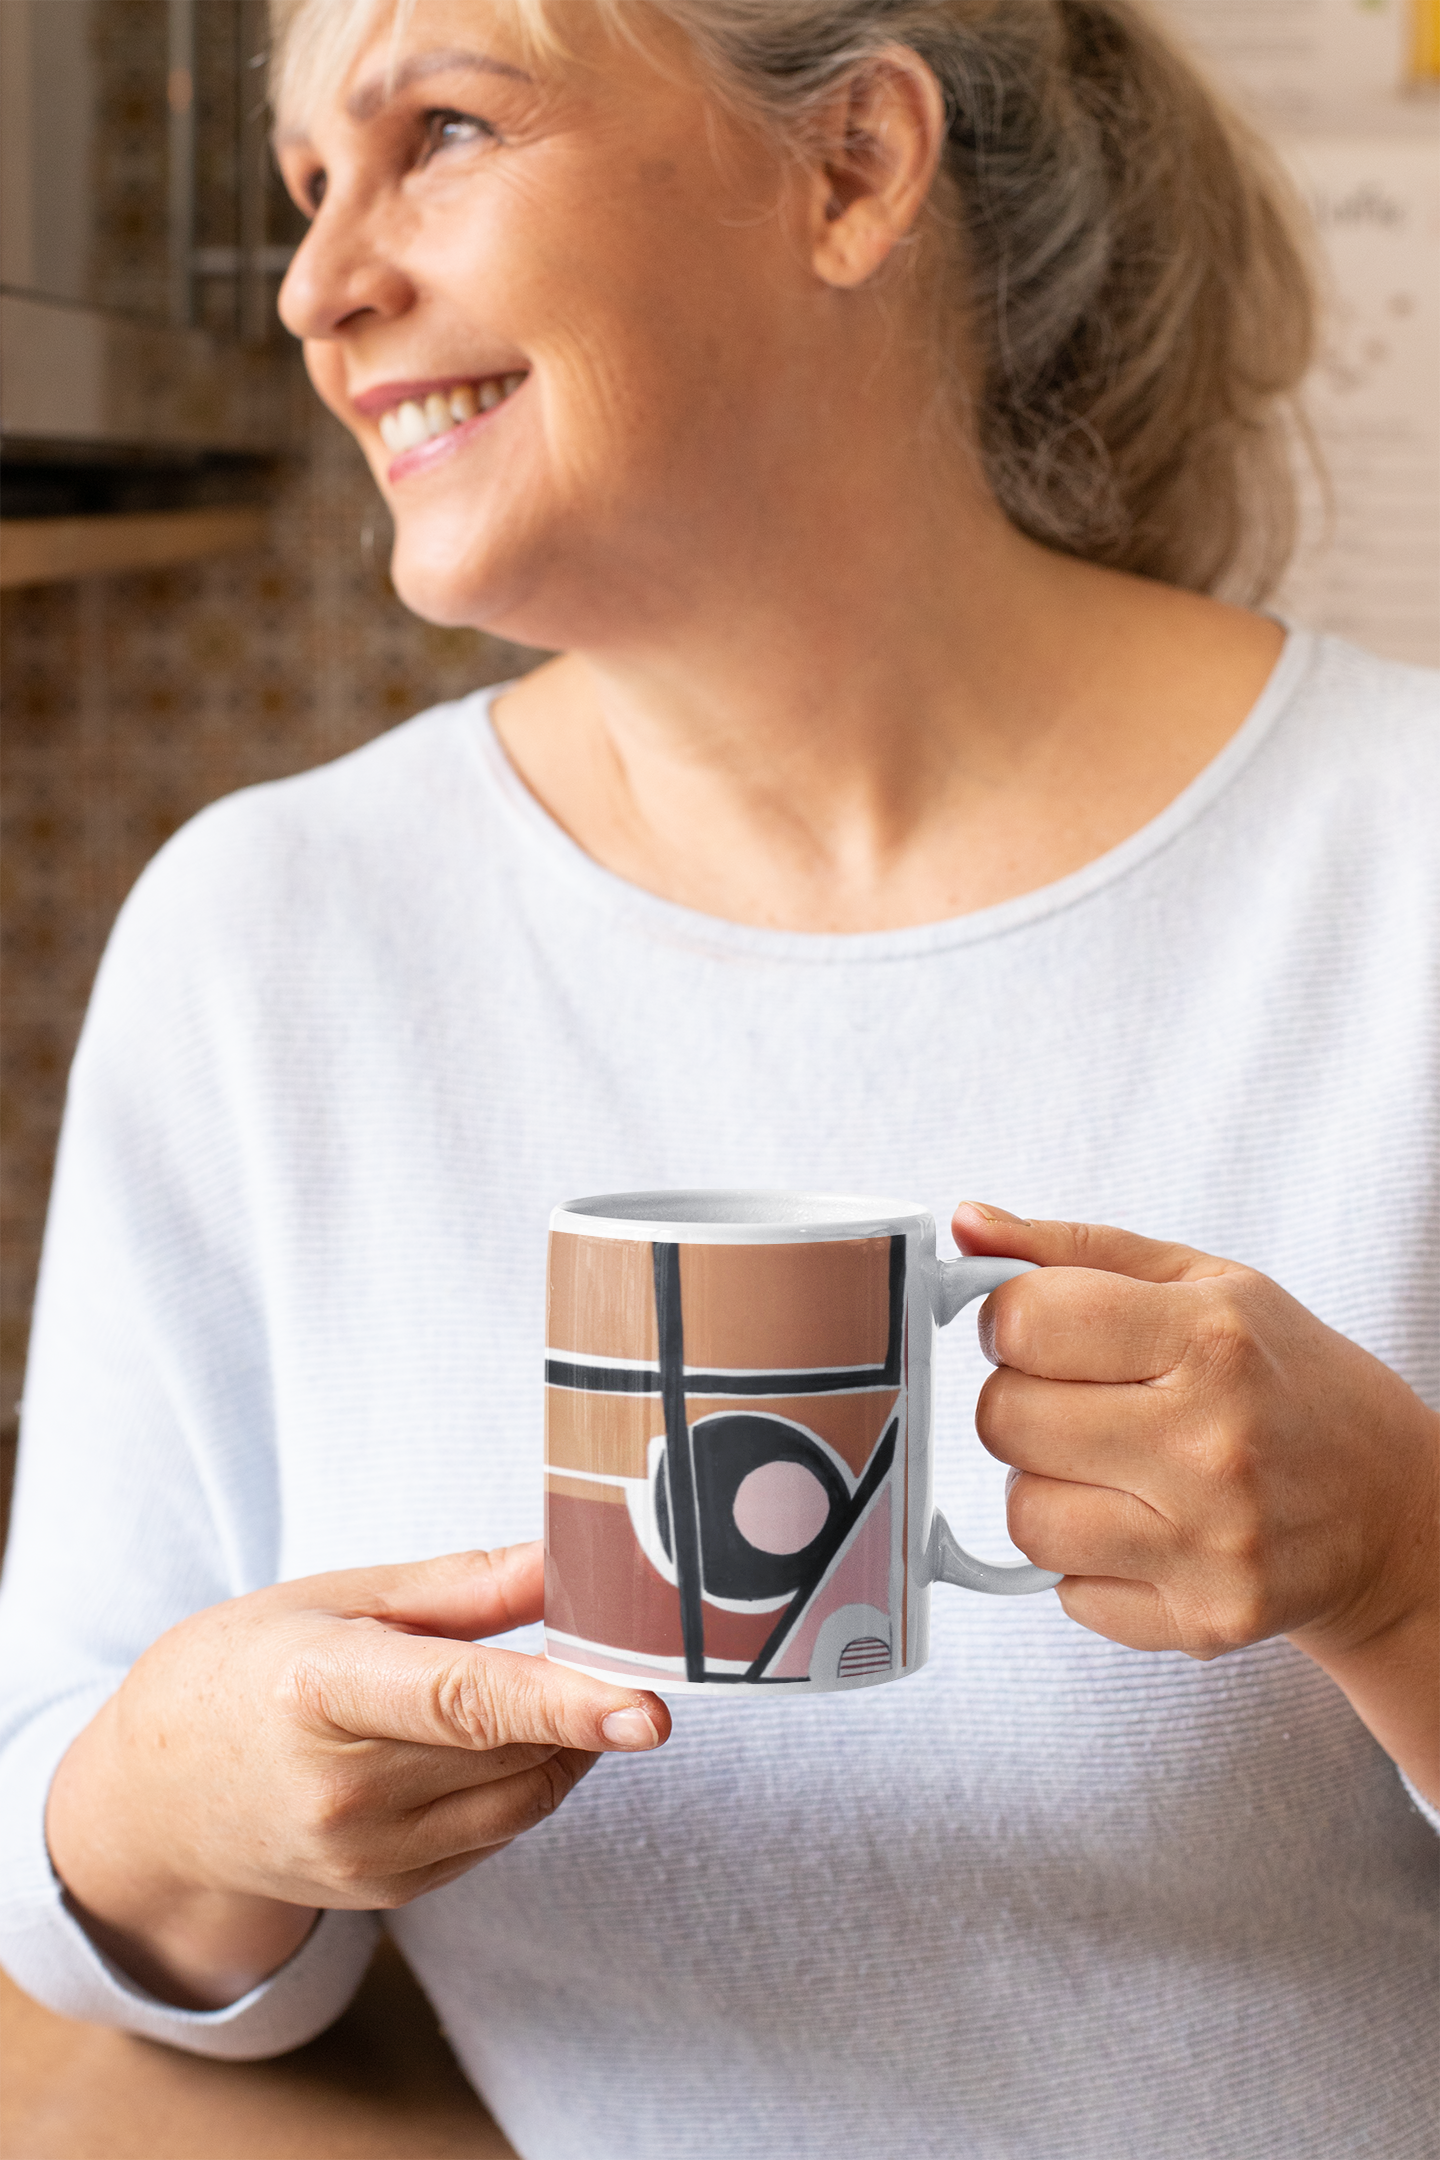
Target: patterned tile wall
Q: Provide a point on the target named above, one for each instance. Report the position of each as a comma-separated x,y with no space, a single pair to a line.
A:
129,703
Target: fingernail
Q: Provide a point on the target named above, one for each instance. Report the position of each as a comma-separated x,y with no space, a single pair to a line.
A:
992,1214
629,1729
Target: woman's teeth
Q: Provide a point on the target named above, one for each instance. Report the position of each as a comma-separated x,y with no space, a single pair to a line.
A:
406,426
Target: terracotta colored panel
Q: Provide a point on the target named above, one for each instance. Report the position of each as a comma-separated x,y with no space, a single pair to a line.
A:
574,1488
601,1300
761,1307
853,1424
737,1635
599,1585
607,1433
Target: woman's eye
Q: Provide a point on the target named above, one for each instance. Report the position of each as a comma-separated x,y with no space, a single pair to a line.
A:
454,130
306,189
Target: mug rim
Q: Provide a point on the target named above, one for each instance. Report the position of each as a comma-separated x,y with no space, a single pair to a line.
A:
735,1215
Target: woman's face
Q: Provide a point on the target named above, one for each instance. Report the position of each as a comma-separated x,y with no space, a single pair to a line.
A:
567,311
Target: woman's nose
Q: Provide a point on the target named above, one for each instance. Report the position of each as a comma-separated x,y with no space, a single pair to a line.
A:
339,273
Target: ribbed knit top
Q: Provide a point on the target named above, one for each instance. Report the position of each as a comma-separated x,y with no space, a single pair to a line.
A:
357,1032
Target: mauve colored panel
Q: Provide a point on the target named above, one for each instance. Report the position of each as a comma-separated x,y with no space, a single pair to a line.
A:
599,1585
861,1577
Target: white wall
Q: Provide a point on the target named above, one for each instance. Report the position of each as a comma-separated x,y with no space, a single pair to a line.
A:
1328,81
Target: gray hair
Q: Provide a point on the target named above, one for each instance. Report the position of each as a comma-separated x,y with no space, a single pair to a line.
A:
1137,305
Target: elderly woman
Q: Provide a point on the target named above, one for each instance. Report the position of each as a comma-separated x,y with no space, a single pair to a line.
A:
866,398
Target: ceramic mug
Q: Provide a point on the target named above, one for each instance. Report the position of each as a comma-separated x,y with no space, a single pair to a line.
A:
738,1439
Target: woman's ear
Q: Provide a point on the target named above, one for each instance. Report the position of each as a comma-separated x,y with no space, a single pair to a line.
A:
881,141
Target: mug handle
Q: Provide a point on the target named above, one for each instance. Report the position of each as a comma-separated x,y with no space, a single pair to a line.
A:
958,1283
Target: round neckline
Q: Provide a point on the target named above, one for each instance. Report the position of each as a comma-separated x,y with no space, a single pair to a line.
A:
674,923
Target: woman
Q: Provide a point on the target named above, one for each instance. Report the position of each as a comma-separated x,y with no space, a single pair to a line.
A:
865,399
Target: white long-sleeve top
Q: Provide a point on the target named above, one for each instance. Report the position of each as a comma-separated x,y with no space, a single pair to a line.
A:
357,1032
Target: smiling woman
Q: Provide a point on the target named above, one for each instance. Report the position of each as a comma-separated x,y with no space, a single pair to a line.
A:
427,412
739,282
1103,270
879,407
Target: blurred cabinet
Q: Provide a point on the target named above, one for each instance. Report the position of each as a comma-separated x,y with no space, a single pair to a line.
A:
143,235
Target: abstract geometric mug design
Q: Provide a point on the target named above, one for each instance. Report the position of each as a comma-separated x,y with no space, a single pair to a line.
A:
737,1439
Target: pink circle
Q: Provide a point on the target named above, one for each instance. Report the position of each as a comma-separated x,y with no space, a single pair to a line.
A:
781,1507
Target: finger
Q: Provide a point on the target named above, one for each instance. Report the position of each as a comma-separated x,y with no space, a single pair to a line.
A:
367,1680
1067,1323
376,1777
1085,1433
1137,1579
982,1228
1090,1530
1170,1614
395,1861
481,1819
1133,1613
465,1595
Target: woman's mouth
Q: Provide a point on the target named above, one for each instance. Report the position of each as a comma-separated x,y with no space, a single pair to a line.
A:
413,421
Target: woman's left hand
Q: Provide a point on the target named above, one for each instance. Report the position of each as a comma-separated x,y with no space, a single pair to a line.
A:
1208,1464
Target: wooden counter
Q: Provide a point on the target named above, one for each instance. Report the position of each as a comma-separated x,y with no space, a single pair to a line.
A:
40,551
380,2085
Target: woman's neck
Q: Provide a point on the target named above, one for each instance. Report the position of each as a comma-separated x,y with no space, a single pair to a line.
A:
927,725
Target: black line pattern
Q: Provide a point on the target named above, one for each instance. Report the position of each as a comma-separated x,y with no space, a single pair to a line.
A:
646,1380
679,1457
566,1372
670,1381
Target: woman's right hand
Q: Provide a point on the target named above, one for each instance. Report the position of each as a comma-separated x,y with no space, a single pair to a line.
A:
337,1741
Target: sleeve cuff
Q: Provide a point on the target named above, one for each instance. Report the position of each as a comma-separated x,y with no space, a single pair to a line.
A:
47,1952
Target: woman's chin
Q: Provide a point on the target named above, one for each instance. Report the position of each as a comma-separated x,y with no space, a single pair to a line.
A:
523,590
459,590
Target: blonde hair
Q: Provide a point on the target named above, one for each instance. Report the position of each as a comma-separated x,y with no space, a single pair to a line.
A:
1137,302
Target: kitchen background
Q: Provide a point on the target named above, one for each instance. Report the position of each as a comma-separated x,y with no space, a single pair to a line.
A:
129,703
136,193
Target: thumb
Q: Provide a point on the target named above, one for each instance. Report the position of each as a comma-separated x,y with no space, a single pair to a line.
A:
380,1684
983,1228
397,1676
